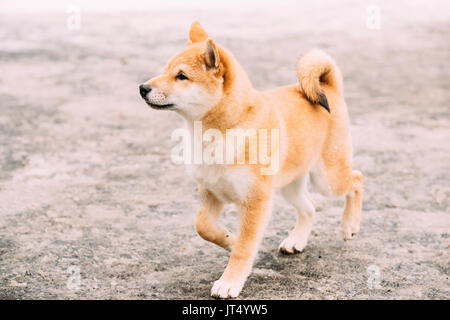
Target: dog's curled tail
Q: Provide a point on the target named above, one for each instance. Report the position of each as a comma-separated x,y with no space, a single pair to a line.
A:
316,68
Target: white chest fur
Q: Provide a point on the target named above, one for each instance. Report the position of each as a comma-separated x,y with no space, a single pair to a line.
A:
229,184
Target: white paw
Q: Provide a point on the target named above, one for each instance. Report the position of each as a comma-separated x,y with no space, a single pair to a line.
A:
350,229
293,244
224,290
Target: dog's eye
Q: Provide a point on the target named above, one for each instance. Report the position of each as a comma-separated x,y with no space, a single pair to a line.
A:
181,76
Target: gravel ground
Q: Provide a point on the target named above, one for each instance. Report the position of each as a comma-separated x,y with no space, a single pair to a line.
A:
91,207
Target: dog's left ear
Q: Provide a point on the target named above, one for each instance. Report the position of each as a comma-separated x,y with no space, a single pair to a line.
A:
197,33
211,55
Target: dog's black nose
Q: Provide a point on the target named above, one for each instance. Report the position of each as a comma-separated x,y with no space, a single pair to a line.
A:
144,90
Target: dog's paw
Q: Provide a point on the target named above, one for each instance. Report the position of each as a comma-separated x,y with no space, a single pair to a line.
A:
224,289
292,245
349,229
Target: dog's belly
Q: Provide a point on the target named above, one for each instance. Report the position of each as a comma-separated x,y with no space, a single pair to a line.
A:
228,184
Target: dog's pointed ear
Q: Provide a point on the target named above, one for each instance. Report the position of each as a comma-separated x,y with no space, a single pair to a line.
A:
211,55
197,33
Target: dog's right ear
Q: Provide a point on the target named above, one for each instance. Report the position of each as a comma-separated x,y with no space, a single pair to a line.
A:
197,33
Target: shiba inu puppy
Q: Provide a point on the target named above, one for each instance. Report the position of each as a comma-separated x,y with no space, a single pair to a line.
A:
205,83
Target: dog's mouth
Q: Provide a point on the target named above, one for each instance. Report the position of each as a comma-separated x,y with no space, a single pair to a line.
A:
159,106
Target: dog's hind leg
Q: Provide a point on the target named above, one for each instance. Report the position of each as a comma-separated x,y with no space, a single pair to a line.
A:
296,193
341,180
207,221
353,203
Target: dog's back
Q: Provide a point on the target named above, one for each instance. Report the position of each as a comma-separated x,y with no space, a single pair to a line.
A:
313,116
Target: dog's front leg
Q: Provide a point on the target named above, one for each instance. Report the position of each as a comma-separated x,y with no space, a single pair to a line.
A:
254,214
207,223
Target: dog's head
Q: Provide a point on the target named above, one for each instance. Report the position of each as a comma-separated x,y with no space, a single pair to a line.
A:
192,82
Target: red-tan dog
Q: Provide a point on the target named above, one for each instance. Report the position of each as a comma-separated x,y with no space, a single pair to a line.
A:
205,83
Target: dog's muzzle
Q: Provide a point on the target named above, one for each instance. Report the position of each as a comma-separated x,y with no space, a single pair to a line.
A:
144,90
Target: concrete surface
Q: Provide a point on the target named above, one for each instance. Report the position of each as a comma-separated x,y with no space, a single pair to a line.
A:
86,181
